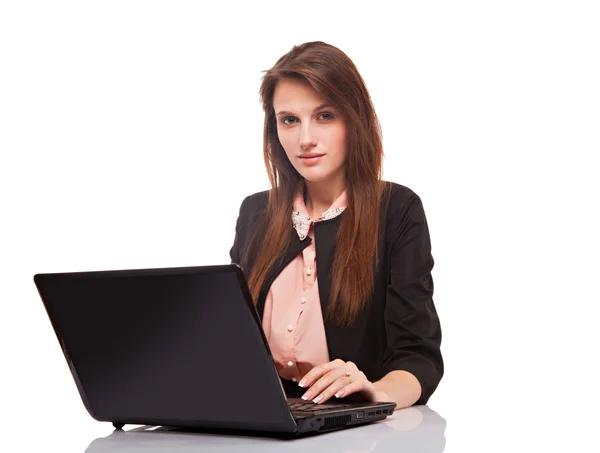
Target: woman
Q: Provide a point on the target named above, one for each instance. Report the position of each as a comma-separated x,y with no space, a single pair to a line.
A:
337,260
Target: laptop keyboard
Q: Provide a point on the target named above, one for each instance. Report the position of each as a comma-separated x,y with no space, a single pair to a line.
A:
311,407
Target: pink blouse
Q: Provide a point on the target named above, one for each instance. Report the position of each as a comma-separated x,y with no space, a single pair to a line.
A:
292,318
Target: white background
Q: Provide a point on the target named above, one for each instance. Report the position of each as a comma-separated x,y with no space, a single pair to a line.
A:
131,131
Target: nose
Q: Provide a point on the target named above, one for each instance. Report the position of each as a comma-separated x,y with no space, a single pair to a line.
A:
307,139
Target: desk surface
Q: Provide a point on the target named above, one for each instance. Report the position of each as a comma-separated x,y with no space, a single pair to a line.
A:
415,429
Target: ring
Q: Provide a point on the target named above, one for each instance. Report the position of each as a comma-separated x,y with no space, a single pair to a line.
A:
349,378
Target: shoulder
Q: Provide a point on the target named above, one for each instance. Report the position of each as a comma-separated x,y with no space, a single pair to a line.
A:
403,209
254,203
397,197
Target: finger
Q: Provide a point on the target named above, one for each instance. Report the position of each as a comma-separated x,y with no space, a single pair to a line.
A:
339,385
328,380
322,383
356,386
317,372
349,389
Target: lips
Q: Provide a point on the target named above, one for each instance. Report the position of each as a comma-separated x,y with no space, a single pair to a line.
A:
311,159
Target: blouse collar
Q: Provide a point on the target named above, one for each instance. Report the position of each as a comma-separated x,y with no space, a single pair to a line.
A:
300,218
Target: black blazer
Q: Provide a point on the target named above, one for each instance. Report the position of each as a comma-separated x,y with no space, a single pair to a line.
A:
399,328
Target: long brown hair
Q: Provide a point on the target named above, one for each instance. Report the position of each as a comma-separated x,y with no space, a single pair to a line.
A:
332,74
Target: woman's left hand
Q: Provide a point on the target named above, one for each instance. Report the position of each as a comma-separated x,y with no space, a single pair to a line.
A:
338,378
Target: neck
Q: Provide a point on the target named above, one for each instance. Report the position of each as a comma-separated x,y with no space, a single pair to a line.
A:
321,195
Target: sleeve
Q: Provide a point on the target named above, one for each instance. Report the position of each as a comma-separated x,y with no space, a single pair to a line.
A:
234,252
413,331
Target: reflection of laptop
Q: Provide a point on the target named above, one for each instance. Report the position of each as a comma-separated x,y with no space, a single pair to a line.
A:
415,429
180,347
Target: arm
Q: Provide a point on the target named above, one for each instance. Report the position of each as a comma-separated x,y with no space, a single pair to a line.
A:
234,252
399,386
412,362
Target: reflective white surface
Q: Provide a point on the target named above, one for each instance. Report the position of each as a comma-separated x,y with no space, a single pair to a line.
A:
416,429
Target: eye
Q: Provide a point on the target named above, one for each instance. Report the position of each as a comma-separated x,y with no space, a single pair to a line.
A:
327,113
328,116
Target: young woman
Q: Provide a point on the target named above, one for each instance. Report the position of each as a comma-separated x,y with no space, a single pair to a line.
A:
338,261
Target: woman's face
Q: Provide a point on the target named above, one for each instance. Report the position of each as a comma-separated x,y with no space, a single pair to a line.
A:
307,126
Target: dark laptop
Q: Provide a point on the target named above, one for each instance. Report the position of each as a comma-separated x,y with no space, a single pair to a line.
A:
180,347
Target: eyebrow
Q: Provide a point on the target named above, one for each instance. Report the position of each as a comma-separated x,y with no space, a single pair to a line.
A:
322,106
